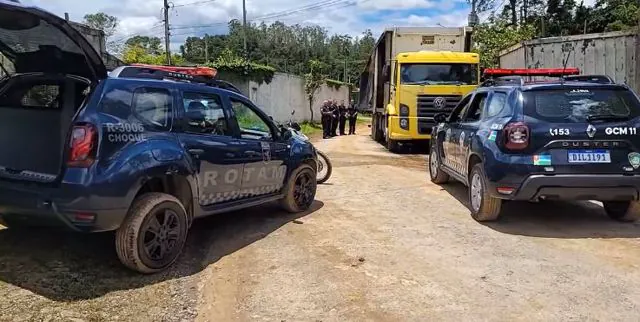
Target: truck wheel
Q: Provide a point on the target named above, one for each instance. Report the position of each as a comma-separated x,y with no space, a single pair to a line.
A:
625,211
483,206
435,172
153,234
300,191
392,145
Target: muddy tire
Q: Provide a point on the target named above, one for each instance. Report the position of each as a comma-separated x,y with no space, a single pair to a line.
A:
300,190
435,171
153,234
392,145
624,211
483,206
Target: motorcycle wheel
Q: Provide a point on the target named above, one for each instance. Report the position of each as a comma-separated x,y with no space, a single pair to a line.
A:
324,168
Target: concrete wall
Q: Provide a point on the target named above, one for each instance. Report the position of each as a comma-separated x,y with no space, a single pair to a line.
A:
286,93
614,54
97,39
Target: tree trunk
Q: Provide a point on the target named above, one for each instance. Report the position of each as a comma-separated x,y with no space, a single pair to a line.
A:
311,108
514,12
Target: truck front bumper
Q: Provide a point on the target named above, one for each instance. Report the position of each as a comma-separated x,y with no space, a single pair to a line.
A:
601,187
414,129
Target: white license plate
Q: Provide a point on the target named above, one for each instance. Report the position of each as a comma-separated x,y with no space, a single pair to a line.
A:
589,156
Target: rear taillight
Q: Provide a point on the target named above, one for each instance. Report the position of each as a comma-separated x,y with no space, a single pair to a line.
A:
516,136
83,138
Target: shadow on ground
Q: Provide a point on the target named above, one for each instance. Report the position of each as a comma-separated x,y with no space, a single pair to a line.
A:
73,267
552,219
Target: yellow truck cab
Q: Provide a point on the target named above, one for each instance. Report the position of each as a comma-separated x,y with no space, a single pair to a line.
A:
412,74
423,84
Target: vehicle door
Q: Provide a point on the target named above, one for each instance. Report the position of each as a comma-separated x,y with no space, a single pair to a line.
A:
452,133
468,127
206,136
264,155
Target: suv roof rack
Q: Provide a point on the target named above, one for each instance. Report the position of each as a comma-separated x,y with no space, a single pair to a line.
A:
599,79
200,75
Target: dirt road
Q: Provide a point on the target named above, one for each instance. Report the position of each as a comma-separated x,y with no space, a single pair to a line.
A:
381,244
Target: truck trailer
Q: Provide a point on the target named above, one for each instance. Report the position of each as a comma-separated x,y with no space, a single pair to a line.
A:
413,74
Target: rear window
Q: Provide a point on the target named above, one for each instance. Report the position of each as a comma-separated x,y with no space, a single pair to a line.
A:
575,105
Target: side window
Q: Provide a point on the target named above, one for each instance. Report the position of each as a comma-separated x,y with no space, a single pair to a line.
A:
153,106
474,110
251,125
496,104
457,112
205,114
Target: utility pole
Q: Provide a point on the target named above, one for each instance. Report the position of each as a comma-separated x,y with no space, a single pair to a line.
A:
244,25
206,49
344,78
473,19
166,31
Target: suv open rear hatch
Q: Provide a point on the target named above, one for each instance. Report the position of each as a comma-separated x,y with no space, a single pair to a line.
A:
46,65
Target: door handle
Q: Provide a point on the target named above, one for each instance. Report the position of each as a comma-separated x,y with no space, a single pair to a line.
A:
196,152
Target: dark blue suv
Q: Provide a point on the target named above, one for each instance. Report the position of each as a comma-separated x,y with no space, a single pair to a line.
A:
141,155
552,140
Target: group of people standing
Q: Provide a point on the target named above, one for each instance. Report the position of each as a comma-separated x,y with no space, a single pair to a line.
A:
334,118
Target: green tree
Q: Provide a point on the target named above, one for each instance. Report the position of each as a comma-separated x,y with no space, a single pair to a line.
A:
107,23
312,82
495,35
151,45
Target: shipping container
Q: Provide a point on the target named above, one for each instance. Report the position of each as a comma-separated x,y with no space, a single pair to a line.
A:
614,54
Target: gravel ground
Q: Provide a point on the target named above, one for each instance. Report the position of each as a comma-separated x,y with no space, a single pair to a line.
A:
381,243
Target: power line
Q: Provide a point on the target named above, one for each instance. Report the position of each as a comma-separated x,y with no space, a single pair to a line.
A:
322,5
193,3
494,11
126,37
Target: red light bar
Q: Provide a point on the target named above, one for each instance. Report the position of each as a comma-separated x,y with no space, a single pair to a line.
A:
531,71
193,71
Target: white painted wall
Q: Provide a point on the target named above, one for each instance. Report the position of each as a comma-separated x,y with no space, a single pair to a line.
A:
286,93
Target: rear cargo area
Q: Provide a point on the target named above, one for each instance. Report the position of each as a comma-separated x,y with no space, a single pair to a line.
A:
35,116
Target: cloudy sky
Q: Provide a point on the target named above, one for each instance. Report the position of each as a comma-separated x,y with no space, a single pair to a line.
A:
197,17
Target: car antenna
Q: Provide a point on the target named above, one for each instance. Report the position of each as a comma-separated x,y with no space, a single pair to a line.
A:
566,60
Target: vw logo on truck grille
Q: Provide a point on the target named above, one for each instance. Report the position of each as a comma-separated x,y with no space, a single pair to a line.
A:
439,103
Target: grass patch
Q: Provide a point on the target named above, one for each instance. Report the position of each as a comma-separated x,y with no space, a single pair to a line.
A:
310,129
363,119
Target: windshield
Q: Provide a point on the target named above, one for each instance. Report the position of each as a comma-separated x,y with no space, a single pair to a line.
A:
573,105
439,74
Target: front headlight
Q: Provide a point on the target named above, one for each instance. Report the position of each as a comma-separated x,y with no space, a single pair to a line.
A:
404,110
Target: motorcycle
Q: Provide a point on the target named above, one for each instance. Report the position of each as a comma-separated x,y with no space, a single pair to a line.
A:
324,165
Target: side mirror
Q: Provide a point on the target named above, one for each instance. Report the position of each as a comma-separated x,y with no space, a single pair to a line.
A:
440,118
296,126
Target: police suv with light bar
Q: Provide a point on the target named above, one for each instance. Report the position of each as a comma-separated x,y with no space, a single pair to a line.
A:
518,139
143,152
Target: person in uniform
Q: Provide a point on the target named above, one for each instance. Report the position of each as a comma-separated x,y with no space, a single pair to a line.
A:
352,114
336,116
342,120
325,116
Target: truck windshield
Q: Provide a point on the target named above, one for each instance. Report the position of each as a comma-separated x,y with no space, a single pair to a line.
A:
439,74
